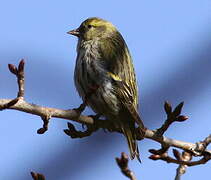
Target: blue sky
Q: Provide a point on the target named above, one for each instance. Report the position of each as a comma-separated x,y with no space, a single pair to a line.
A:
170,44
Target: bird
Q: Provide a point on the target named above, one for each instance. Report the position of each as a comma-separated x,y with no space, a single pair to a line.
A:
105,79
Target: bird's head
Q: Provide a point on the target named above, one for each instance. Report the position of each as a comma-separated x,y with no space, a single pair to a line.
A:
93,28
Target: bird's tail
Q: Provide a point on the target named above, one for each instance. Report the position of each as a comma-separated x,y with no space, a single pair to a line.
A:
131,140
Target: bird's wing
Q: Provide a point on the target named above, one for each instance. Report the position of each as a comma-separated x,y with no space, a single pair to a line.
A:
124,94
117,60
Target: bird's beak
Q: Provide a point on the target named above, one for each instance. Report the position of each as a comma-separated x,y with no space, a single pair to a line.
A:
74,32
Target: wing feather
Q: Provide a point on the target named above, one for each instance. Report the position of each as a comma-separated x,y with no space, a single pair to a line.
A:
117,60
124,94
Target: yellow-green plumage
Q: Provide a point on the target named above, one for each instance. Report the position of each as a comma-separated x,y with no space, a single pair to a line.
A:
104,68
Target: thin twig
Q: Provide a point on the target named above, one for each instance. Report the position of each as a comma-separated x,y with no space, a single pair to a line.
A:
73,133
169,159
19,73
171,117
44,128
9,104
160,151
202,145
123,165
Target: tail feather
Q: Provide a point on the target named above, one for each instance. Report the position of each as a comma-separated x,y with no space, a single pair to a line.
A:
131,140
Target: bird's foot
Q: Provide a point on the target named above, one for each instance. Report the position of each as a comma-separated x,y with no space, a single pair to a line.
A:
95,118
81,108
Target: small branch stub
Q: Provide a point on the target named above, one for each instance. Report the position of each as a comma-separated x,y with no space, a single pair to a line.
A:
45,125
9,104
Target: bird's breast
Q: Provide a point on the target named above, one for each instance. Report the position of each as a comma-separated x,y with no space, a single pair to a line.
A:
91,80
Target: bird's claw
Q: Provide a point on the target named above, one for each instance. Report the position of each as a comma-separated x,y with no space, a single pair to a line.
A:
95,118
81,108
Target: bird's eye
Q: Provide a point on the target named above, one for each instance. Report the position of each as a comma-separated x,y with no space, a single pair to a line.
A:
89,26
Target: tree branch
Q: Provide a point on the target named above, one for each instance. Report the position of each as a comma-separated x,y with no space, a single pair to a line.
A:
123,165
73,115
93,123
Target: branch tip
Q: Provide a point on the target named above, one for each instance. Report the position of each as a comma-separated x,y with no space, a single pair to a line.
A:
37,176
168,108
45,124
21,66
181,118
13,69
178,109
160,151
